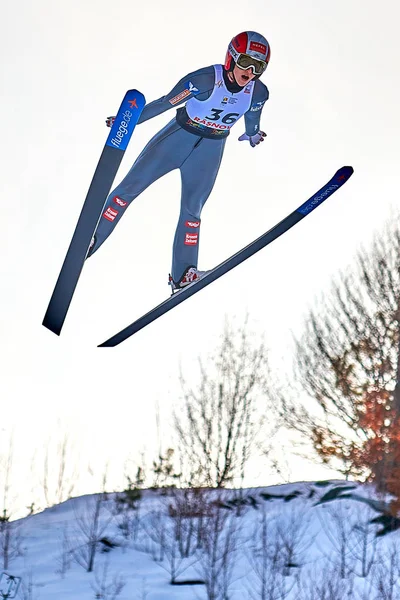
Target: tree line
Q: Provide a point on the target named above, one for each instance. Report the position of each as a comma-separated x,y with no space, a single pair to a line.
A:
346,364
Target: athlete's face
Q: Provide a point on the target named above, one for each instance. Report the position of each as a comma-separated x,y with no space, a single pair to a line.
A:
243,76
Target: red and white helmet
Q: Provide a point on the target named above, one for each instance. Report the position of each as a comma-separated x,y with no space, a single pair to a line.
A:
250,44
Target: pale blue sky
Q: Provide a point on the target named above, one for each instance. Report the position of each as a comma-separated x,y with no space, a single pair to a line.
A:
334,89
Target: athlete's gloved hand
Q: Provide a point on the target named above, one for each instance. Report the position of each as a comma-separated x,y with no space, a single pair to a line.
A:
110,121
253,139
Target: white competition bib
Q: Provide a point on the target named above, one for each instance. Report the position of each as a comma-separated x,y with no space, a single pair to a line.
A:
222,109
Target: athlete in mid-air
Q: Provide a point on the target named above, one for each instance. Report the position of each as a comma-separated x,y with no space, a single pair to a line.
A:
215,98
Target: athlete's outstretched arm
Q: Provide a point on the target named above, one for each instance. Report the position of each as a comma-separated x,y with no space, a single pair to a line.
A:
200,84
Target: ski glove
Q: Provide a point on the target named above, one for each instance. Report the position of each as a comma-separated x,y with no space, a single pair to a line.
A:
253,139
110,121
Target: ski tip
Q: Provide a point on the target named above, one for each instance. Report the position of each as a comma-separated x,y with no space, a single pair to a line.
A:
345,171
339,178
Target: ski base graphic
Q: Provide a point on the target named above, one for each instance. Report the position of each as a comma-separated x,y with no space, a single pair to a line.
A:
106,170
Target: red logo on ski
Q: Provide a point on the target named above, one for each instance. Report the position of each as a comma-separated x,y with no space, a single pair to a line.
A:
192,224
120,202
110,214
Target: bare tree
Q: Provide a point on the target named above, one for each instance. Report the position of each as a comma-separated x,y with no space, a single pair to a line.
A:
265,557
189,509
175,549
126,507
295,537
221,418
59,473
91,523
338,524
64,556
323,582
364,545
104,587
218,557
386,573
27,587
348,360
10,535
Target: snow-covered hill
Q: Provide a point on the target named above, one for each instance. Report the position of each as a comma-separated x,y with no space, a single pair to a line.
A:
305,541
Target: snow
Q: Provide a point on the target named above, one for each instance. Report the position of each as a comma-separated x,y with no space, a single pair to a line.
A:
317,527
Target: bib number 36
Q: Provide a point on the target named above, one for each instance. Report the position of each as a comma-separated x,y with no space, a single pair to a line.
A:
228,119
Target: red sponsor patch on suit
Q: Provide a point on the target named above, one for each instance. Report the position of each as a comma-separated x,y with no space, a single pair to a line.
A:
110,214
120,202
257,47
192,224
180,97
191,239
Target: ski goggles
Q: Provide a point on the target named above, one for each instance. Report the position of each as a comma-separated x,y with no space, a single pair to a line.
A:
248,62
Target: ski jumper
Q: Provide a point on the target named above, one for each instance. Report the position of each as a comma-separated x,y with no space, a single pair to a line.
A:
193,142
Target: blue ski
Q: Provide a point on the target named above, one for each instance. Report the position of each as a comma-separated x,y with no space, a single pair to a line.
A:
340,177
106,170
